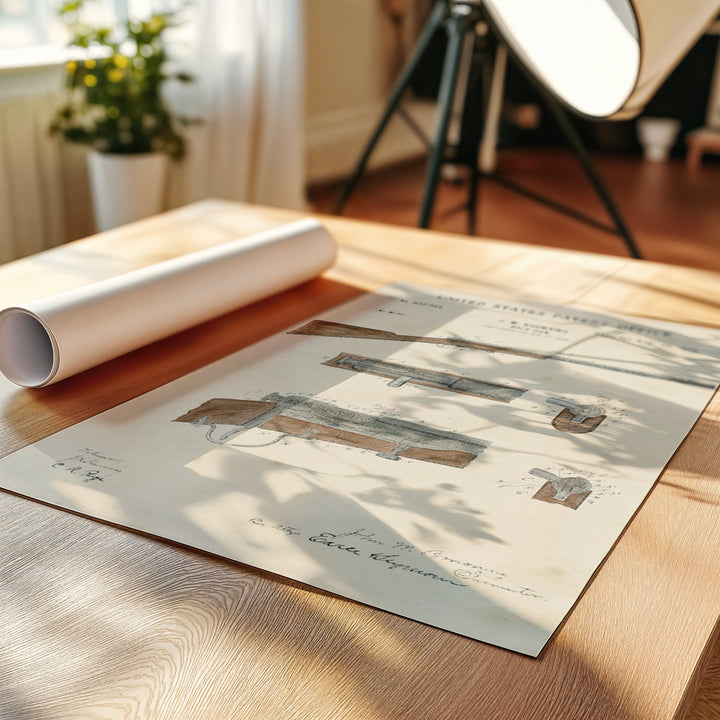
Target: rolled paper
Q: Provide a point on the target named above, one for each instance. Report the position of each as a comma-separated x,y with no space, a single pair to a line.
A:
52,338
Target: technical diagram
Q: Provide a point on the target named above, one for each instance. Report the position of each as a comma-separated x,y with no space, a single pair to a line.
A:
576,418
332,329
402,374
567,491
303,417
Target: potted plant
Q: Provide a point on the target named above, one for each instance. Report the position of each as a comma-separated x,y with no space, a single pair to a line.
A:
115,106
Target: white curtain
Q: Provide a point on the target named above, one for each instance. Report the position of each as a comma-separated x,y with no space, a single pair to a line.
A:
248,58
32,213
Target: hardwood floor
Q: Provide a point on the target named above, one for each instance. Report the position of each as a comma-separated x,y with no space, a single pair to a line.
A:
672,212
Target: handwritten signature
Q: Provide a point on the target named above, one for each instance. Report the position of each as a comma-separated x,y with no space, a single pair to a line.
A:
399,557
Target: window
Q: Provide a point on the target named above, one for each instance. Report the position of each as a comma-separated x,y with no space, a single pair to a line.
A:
31,32
24,23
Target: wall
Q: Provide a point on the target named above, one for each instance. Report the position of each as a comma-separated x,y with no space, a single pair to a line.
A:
353,55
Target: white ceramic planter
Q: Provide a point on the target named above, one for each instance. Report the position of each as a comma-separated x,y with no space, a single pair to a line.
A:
126,187
657,136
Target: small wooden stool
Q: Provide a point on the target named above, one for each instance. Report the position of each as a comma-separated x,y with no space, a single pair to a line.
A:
701,141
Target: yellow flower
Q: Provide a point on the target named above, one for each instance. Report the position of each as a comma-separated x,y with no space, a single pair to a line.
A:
71,67
90,81
89,64
120,61
115,75
156,23
113,113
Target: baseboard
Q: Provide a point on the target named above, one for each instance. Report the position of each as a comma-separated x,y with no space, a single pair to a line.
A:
335,140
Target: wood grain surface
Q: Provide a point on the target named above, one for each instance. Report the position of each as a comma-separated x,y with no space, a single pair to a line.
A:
98,622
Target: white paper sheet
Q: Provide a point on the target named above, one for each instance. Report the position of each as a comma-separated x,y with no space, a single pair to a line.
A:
465,462
52,338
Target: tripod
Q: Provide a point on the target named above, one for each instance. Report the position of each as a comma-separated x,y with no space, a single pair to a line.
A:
460,17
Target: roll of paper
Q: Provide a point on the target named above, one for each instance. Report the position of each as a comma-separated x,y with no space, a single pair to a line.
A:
50,339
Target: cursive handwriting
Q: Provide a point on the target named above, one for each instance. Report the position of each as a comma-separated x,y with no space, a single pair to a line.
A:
393,564
464,565
463,573
280,527
329,540
478,578
362,534
88,465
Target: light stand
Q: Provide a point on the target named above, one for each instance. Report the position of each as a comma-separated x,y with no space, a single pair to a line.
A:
459,17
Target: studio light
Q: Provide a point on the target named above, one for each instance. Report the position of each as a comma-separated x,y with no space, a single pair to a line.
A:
602,58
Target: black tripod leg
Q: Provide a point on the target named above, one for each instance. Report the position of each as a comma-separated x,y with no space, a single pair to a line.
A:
592,174
473,192
457,26
478,106
434,21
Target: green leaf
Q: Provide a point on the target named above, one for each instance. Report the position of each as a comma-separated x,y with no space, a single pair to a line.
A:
115,101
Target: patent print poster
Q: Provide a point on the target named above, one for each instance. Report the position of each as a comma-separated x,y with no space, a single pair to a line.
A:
465,462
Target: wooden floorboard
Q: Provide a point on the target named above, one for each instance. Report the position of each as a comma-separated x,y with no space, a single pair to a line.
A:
672,212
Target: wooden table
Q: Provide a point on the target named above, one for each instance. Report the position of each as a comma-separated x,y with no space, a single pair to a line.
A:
98,622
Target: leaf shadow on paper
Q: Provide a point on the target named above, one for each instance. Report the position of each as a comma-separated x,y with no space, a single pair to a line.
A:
177,512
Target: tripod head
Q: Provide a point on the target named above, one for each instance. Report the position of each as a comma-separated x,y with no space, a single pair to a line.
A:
464,7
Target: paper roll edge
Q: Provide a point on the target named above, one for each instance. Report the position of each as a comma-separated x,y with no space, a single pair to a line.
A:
29,354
